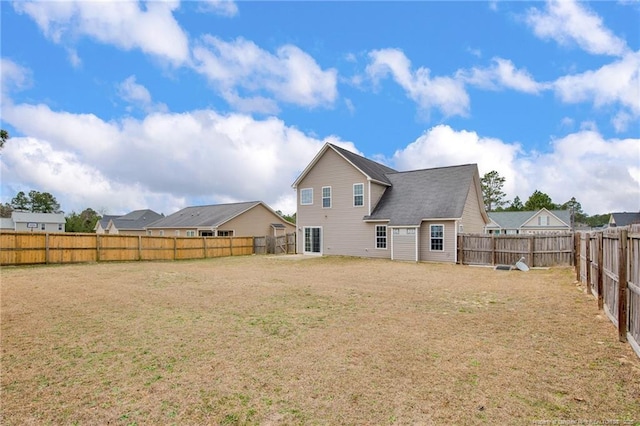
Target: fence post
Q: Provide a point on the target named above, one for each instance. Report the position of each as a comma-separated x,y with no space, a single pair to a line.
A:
493,249
600,270
97,247
622,285
230,246
139,247
175,248
46,248
587,262
578,253
460,249
204,247
531,244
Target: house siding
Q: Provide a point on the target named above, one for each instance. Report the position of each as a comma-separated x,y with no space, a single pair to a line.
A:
449,254
255,222
343,230
554,224
472,221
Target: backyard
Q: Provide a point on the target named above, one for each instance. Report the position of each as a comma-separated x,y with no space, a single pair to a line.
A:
274,340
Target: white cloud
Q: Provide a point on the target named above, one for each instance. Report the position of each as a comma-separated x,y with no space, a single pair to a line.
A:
148,26
138,95
601,173
502,74
443,146
161,162
567,21
616,84
445,93
220,7
240,69
13,77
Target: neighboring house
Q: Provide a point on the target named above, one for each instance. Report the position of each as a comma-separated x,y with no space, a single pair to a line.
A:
133,223
529,222
623,219
103,223
34,222
350,205
247,219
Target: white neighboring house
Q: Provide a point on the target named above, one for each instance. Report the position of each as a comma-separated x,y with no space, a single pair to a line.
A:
34,222
529,222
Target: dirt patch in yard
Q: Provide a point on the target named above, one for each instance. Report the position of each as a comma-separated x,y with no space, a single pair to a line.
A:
283,340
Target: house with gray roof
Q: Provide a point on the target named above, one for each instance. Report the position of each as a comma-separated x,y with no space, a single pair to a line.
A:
529,222
623,219
350,205
133,223
23,221
245,219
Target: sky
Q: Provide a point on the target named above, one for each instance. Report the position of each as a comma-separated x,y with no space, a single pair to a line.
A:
119,106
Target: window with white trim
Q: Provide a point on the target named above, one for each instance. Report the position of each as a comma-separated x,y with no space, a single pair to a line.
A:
225,233
436,233
176,232
543,220
411,231
358,194
306,196
191,233
381,236
161,233
326,197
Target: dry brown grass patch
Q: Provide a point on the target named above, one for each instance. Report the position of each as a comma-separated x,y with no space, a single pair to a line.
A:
272,340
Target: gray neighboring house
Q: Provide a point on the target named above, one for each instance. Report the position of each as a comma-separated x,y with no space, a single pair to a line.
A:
246,219
352,206
529,222
623,219
134,223
34,222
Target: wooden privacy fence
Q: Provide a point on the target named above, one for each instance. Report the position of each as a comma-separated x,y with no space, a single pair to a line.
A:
281,244
25,248
550,249
609,265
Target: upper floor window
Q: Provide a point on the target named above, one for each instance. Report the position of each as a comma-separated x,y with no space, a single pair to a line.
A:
225,233
358,194
437,237
543,220
326,197
191,233
381,236
306,196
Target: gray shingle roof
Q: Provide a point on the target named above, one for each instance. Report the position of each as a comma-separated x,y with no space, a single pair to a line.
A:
625,218
425,194
199,216
137,219
375,171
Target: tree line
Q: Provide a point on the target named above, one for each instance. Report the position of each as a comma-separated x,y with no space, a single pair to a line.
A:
495,200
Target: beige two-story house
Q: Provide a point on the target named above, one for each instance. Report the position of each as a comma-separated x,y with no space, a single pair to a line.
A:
350,205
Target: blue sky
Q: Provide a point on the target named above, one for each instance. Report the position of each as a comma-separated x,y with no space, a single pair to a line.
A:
119,106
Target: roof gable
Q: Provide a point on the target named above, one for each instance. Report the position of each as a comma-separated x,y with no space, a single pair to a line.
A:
414,196
518,219
371,169
205,216
137,219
